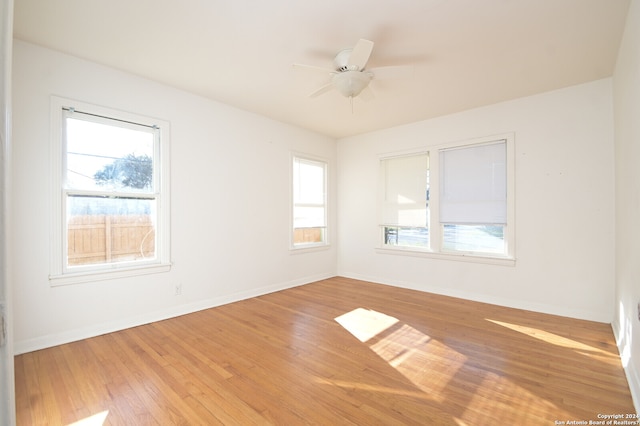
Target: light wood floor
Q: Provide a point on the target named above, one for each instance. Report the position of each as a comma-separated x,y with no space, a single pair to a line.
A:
335,352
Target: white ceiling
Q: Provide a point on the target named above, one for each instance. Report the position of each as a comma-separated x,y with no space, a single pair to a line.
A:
465,53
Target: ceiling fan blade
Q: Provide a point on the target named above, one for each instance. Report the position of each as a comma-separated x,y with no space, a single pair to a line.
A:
360,54
321,90
392,72
313,68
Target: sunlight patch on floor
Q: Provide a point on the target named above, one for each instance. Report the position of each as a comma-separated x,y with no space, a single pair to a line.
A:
428,364
365,324
400,345
373,388
522,406
556,340
432,367
95,420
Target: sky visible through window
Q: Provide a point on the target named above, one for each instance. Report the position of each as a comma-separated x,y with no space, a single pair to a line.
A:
91,146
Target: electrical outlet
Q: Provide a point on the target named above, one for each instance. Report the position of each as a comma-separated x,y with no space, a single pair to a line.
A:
178,289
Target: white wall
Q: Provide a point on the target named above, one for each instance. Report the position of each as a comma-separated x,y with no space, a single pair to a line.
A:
564,205
627,143
230,204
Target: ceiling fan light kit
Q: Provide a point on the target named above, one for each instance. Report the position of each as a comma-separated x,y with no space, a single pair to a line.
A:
351,83
349,76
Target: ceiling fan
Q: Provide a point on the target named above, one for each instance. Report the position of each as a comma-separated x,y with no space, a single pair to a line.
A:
350,76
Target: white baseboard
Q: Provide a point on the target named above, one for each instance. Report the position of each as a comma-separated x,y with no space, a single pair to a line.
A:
633,375
56,339
510,303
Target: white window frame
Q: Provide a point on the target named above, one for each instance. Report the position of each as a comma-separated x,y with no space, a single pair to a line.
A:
60,274
304,247
435,249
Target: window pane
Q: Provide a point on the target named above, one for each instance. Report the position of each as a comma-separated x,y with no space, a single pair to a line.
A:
308,235
406,236
474,238
309,202
108,157
110,230
307,217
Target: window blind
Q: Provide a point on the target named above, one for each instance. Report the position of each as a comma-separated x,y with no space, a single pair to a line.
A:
473,184
405,183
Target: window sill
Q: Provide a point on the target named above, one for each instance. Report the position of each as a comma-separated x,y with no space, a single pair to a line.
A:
86,276
309,248
458,257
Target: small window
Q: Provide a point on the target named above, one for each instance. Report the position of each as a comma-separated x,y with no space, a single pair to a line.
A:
309,203
110,189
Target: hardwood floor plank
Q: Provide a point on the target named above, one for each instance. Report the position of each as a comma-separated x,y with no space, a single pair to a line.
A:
338,351
23,408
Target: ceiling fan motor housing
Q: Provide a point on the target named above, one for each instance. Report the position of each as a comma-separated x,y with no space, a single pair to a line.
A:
341,61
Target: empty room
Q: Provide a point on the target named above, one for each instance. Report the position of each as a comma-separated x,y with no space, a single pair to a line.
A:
414,212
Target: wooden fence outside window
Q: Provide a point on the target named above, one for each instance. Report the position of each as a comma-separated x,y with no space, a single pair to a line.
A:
96,239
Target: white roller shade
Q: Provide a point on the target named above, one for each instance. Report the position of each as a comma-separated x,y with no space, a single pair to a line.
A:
473,184
404,193
308,182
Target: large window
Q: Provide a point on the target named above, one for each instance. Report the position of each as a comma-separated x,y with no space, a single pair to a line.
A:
309,202
110,189
473,198
454,199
